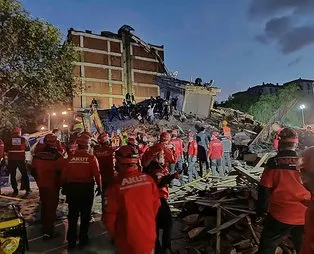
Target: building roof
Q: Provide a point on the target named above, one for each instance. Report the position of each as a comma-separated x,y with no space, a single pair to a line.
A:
298,81
108,34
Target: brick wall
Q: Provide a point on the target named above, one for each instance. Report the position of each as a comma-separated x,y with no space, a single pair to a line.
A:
144,78
145,65
93,43
116,75
96,58
95,72
97,87
115,47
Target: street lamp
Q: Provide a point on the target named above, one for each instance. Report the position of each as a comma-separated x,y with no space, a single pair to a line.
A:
64,113
302,107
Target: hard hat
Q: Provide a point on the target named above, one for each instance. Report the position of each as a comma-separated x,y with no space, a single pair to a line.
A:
50,139
103,138
83,140
174,133
127,155
215,133
288,135
165,137
224,122
17,130
124,134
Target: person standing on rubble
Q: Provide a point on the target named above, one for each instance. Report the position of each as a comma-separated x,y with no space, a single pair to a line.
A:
178,149
156,166
150,114
277,129
282,195
132,202
80,172
46,169
192,157
114,113
215,154
104,154
306,168
227,144
226,129
16,148
202,139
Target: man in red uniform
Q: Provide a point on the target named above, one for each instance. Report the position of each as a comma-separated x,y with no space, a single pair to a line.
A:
143,145
156,168
215,154
282,195
132,205
16,148
78,176
46,166
306,167
177,143
192,157
277,129
104,154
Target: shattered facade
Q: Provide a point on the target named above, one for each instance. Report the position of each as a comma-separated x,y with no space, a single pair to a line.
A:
112,65
192,98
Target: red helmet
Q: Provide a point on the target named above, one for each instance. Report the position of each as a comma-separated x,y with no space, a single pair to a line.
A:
127,155
174,133
50,139
83,140
215,133
17,130
288,135
165,137
103,138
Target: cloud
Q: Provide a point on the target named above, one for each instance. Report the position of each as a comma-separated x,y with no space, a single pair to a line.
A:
295,61
289,23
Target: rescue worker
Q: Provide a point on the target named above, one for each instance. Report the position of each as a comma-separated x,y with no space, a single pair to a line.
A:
116,140
104,154
227,144
192,157
215,154
132,205
150,114
177,143
143,146
17,146
78,176
282,195
46,169
306,168
59,145
226,129
124,138
157,168
202,139
277,129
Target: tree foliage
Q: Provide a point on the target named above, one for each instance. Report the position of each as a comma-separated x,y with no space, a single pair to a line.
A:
268,104
241,101
35,64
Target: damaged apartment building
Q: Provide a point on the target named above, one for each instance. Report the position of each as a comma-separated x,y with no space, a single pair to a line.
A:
112,65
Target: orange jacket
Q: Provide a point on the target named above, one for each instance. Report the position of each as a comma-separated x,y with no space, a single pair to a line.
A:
130,213
227,132
47,165
215,149
81,167
286,193
104,154
308,239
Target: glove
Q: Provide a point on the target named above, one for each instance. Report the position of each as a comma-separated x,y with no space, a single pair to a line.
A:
98,191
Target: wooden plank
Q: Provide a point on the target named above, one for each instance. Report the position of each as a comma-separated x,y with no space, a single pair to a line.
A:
196,231
218,223
228,224
240,210
243,172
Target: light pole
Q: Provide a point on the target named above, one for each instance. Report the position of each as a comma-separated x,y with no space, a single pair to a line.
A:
49,120
302,107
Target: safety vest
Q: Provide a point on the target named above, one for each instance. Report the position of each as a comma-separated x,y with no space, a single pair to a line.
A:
16,148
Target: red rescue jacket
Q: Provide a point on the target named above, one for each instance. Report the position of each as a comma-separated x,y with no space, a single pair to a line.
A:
281,190
168,153
81,167
308,239
104,154
142,148
192,148
162,179
227,132
130,213
16,148
178,147
215,149
276,140
47,165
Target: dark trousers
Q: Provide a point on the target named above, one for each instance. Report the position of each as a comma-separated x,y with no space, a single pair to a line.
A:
274,230
12,166
113,115
164,222
49,198
201,167
80,197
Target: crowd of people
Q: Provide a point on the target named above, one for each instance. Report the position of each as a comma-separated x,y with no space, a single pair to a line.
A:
123,167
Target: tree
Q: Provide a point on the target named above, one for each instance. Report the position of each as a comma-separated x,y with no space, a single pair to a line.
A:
240,101
268,104
35,65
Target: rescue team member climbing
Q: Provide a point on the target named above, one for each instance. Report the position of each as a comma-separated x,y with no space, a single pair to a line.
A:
132,205
16,148
306,168
282,195
104,154
156,166
78,175
46,169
